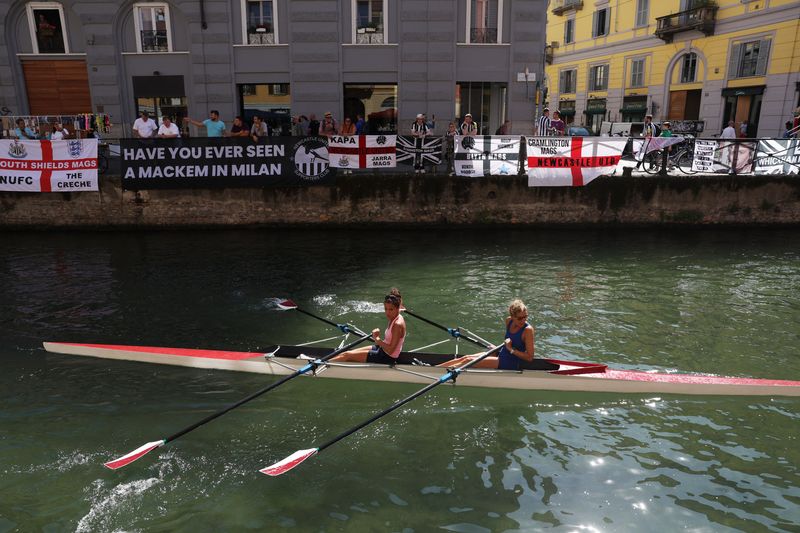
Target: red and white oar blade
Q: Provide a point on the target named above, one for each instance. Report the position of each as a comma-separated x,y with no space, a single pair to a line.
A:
281,467
134,455
286,305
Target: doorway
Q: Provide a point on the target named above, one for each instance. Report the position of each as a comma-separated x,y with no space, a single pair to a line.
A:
485,100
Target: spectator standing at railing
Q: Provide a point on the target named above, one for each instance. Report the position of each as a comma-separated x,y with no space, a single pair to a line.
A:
543,124
788,133
23,132
743,128
449,147
214,126
168,129
360,125
419,130
328,125
59,132
299,126
469,128
650,130
729,134
313,125
144,126
557,125
260,130
239,128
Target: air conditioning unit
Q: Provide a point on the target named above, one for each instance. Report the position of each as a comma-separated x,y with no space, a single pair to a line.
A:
554,44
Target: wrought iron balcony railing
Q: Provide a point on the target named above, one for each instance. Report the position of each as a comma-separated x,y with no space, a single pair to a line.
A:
702,19
154,41
562,6
483,35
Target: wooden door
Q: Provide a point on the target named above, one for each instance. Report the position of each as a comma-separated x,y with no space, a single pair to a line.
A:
743,108
677,105
57,87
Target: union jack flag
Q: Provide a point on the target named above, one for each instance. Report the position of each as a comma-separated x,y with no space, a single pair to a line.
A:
410,149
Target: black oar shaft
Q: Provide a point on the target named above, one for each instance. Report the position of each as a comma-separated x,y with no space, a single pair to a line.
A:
444,379
344,327
266,389
455,332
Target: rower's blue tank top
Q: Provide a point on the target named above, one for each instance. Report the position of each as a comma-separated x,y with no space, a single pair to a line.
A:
506,361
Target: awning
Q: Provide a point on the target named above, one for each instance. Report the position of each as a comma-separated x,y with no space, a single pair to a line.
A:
566,112
633,108
595,111
742,91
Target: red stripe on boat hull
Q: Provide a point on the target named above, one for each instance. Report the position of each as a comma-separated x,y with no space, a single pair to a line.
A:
180,352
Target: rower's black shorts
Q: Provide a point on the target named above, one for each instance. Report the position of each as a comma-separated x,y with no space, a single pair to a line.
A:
377,355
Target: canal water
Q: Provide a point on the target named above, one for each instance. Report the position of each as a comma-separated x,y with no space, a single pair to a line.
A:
456,459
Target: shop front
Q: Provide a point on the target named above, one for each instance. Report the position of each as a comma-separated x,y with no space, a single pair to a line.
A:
633,108
743,103
595,114
566,109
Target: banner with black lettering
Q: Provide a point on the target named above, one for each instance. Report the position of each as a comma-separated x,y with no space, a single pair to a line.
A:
570,161
224,162
778,156
419,150
485,155
48,166
362,151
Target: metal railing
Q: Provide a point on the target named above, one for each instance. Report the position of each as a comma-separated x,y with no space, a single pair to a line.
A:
154,40
702,18
562,6
483,35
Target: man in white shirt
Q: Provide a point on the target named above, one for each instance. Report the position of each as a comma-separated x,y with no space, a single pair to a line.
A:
59,132
168,129
144,127
543,124
728,147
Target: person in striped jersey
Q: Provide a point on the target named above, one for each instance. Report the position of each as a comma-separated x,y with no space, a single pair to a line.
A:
543,124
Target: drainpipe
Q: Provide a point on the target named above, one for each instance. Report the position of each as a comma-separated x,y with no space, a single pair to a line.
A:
203,23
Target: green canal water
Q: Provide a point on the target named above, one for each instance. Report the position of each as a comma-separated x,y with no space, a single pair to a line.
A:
456,459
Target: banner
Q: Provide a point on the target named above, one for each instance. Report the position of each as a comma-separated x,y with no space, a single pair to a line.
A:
411,149
224,162
642,147
704,156
485,155
734,156
778,156
362,151
48,166
570,161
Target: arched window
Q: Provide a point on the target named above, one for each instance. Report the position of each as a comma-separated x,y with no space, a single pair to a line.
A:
689,68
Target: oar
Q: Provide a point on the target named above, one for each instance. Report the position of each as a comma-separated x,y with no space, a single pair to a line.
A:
455,332
299,456
150,446
289,305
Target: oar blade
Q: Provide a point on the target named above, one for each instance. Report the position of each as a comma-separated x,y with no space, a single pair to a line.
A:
286,305
283,466
139,452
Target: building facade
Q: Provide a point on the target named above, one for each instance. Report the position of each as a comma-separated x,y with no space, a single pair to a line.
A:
713,61
384,59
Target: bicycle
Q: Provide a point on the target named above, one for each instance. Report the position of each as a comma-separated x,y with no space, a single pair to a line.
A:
681,156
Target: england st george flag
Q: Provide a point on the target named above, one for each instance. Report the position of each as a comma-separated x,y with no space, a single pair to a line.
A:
48,166
362,151
570,161
485,155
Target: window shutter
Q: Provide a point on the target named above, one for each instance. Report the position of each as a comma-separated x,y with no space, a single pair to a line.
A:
608,21
735,61
763,57
594,24
562,82
605,77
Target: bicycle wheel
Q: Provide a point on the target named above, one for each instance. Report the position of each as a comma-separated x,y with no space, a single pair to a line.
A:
684,162
652,162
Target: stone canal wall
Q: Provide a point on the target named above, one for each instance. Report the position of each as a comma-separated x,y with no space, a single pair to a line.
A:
359,200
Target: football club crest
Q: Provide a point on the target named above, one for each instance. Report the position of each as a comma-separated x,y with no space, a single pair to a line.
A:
17,150
311,158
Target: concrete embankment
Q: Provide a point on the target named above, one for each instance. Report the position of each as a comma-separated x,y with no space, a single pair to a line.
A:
359,200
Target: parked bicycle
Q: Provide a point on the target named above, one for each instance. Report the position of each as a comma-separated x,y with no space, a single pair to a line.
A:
680,156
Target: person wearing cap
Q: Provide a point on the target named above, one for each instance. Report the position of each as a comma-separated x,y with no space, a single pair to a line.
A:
144,127
543,124
419,129
666,130
328,126
468,128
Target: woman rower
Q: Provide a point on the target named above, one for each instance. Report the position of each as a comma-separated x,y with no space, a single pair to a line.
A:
518,349
384,351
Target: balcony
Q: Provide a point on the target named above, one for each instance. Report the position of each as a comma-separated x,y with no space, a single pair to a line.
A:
562,6
154,41
483,35
702,19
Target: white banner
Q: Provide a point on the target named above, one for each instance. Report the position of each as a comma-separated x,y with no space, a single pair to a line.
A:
484,155
642,147
48,166
704,156
778,156
362,151
570,161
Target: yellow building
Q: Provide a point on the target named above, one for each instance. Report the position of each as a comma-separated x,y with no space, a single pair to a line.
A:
712,61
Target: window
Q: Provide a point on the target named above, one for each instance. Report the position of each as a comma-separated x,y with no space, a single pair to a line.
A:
260,22
601,22
749,59
151,22
485,101
569,31
370,23
637,73
270,101
484,21
689,68
376,103
642,12
567,81
598,78
46,22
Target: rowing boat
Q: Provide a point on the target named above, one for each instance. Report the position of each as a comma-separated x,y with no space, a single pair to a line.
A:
418,367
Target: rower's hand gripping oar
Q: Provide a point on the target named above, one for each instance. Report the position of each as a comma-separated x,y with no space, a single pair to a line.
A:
455,332
289,305
150,446
299,456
